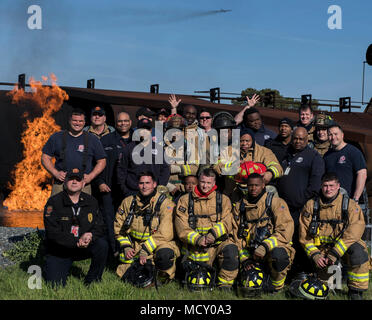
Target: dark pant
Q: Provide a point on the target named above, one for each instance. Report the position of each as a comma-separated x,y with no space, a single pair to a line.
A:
108,211
57,268
301,262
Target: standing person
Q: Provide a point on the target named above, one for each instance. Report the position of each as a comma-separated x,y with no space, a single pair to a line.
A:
251,102
252,120
205,120
98,125
204,225
162,115
331,228
74,230
306,120
128,168
263,230
144,228
280,144
321,142
177,155
110,195
347,162
303,169
73,148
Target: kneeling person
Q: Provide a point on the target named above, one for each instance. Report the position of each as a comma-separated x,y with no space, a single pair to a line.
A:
263,230
144,229
74,230
331,228
204,223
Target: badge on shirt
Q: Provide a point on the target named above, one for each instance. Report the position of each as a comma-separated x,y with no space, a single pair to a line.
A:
75,231
182,209
299,160
90,217
342,160
80,148
266,136
49,209
286,172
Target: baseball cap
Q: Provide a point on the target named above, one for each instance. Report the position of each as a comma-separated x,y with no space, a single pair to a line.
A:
144,112
98,110
286,121
74,173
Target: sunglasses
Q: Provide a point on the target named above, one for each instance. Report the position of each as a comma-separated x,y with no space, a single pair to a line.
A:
205,118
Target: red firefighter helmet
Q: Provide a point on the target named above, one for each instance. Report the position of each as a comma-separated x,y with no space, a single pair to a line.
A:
247,168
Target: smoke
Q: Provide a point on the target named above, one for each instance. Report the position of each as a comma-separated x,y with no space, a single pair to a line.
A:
156,16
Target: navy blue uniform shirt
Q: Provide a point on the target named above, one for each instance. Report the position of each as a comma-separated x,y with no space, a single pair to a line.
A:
74,150
345,163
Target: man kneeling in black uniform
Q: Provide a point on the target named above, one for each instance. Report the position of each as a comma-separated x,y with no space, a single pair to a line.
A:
74,230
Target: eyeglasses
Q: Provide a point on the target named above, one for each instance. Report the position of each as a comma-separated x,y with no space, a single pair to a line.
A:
205,118
98,114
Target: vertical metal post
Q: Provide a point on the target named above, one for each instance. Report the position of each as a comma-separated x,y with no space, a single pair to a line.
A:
22,81
364,67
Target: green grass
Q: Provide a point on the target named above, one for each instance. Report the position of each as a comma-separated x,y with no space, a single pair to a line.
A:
14,284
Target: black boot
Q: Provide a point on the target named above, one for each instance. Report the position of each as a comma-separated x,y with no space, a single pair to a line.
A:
355,294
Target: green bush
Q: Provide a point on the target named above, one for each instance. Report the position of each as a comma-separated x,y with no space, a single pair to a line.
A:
30,248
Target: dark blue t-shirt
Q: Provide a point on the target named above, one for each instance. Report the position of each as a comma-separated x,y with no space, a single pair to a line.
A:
74,151
345,163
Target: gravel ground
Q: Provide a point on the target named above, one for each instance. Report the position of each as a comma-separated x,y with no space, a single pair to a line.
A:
8,236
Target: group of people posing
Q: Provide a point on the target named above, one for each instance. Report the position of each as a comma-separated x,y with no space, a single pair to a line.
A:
279,208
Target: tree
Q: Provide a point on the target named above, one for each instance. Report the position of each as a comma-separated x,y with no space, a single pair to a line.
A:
271,98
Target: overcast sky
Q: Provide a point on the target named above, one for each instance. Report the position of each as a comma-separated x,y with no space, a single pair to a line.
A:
186,45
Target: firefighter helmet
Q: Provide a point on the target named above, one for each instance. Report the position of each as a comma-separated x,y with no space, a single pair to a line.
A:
199,279
323,121
251,282
247,168
223,120
141,276
310,288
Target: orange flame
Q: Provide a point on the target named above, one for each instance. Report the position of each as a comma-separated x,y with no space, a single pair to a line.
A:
29,190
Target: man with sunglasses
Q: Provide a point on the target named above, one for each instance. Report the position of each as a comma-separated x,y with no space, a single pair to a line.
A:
98,123
74,230
205,120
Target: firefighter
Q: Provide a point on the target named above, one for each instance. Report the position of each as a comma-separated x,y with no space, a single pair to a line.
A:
144,229
175,150
331,227
251,151
203,223
263,229
321,142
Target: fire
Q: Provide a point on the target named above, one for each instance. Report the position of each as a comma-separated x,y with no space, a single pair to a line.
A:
29,189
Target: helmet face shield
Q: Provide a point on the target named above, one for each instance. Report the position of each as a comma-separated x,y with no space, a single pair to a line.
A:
310,289
199,280
251,282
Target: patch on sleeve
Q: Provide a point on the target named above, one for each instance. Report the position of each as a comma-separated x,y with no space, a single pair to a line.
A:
49,210
182,209
121,211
